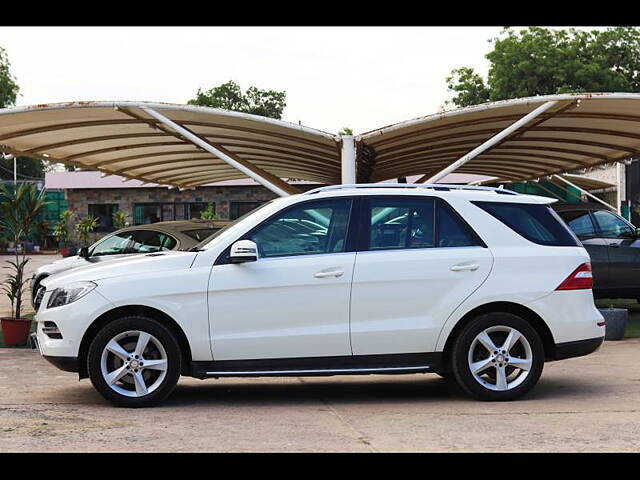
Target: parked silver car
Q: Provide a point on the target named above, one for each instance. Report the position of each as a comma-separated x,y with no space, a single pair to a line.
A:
155,237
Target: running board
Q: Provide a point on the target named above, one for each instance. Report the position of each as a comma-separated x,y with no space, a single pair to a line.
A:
320,366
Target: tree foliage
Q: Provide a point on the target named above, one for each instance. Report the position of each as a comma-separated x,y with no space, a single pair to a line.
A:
229,96
541,61
8,86
27,168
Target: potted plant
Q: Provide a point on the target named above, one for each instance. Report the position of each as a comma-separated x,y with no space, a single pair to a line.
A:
62,232
208,213
19,210
84,227
119,219
615,322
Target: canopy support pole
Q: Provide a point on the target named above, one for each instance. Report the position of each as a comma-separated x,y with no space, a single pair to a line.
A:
588,194
272,182
348,160
492,141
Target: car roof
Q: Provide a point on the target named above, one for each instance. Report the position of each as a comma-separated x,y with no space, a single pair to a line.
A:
565,206
467,192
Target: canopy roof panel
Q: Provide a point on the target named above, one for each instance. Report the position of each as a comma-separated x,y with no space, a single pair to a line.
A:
580,131
121,138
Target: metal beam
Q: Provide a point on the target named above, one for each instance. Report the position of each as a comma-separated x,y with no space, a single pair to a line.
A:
493,141
348,160
273,183
588,194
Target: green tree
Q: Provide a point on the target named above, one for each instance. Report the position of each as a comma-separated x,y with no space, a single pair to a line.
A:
8,86
346,131
541,61
27,168
119,219
229,96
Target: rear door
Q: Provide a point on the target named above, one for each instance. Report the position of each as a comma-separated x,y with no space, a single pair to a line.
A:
417,260
583,225
624,254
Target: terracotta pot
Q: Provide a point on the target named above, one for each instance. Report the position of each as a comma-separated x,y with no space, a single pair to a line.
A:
15,331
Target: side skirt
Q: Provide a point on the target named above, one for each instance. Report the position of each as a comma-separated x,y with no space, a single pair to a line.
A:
314,366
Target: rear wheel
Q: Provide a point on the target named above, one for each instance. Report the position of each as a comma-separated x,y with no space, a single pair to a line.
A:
134,362
498,356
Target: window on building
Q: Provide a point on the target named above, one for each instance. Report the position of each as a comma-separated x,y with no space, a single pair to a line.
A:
144,213
196,209
237,209
104,213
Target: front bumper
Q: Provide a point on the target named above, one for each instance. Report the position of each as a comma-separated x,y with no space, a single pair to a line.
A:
68,364
577,348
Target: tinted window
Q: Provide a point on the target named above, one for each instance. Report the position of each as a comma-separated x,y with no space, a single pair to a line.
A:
611,225
401,223
580,222
537,223
416,223
113,245
200,234
311,228
451,231
145,241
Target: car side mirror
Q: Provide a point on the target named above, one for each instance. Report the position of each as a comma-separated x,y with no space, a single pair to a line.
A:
84,252
243,251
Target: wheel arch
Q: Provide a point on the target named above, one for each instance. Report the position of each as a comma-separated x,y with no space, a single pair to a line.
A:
132,310
523,312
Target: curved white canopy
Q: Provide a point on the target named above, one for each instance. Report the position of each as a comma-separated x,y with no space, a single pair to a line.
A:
188,146
579,131
122,138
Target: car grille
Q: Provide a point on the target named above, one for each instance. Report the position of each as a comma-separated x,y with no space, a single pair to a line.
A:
37,300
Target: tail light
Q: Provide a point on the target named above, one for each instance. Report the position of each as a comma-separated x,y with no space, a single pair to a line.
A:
581,278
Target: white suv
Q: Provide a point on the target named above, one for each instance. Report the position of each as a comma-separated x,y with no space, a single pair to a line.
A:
479,284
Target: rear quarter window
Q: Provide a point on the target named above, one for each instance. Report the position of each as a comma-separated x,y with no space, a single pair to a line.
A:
537,223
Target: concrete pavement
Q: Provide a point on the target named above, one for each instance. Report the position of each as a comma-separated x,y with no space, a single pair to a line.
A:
584,404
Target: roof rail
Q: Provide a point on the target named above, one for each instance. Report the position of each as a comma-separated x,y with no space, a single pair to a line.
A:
432,186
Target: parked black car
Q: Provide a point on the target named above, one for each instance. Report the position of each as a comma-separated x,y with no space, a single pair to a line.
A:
613,244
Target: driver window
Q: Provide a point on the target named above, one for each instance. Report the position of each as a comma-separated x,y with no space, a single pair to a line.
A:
113,245
612,226
308,229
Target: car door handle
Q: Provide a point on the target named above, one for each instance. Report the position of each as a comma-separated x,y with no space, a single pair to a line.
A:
329,273
465,266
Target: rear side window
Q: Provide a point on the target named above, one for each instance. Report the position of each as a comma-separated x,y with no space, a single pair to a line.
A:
580,222
414,222
537,223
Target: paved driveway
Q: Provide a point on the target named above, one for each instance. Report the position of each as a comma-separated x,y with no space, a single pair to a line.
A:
583,404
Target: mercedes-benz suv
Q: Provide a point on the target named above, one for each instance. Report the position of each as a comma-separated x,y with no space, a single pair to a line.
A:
479,284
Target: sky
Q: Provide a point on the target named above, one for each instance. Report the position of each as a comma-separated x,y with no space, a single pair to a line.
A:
335,77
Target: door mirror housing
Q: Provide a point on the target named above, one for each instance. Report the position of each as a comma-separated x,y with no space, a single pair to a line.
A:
243,251
84,252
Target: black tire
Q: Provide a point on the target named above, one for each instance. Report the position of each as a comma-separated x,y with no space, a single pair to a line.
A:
143,324
463,344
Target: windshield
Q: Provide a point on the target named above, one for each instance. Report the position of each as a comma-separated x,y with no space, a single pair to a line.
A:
203,244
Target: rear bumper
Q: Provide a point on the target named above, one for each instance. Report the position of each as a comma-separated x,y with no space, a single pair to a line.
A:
578,348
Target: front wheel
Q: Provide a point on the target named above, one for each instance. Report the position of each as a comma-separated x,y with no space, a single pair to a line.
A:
134,362
498,356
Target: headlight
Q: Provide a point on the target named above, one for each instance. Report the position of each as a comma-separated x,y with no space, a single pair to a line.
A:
70,293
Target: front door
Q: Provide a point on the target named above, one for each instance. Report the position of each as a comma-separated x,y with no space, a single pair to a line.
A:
624,254
294,300
419,260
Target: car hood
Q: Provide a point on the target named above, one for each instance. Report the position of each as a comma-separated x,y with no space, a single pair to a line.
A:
122,267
